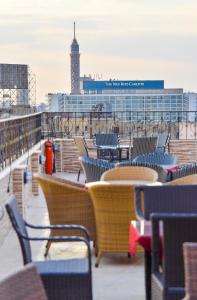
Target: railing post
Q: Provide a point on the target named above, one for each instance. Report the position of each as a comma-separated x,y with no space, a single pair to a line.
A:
35,168
90,125
58,155
18,186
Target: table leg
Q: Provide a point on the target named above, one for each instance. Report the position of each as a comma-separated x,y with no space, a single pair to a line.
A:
127,153
119,154
147,266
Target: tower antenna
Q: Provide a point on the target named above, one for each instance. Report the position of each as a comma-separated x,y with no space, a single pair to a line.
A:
74,30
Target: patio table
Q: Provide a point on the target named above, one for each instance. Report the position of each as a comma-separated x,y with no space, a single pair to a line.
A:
141,232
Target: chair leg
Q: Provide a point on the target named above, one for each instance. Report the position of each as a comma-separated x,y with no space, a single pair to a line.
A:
96,250
98,259
79,172
48,245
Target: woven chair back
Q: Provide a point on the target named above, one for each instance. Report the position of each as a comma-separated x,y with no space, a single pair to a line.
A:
81,145
67,203
106,139
18,224
167,199
184,170
143,145
158,158
177,228
25,284
130,173
162,141
162,175
190,179
94,168
114,209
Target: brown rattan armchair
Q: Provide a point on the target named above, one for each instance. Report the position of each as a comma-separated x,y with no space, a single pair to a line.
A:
68,203
130,173
114,209
25,284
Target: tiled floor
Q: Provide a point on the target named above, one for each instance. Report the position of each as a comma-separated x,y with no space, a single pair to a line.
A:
117,278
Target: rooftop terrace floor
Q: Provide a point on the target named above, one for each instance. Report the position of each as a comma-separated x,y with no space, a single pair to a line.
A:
118,277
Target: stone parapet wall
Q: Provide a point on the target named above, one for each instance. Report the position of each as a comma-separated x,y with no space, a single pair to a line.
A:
185,150
4,195
17,187
69,156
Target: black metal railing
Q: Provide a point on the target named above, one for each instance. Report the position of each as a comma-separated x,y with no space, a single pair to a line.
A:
18,135
180,125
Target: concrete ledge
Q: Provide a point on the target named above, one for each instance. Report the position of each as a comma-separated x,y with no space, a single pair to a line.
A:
20,160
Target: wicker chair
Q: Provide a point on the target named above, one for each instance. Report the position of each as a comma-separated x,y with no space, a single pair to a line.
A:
184,170
82,149
168,278
67,203
68,279
25,284
162,175
162,141
190,179
190,264
132,173
143,145
157,158
106,139
114,209
94,168
165,199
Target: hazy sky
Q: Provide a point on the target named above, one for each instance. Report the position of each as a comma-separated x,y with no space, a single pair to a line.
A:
121,39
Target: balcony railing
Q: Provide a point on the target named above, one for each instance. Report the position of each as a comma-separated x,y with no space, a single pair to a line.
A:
18,135
180,125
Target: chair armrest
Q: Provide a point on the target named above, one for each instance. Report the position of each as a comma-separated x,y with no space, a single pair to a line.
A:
62,239
138,202
65,238
69,227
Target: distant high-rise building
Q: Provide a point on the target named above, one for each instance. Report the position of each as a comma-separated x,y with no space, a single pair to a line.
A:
75,66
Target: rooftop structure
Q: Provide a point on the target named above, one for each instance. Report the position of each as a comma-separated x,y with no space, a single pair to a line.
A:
17,86
75,66
125,86
138,100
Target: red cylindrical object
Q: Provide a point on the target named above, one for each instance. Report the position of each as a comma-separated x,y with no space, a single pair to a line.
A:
49,158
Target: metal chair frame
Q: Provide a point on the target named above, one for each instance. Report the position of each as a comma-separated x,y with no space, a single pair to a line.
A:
60,277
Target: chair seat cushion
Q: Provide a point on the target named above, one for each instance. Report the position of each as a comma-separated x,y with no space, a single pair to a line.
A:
64,267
